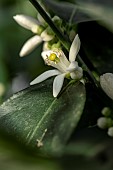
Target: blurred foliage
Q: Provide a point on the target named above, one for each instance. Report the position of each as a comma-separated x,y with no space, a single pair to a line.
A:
11,39
14,155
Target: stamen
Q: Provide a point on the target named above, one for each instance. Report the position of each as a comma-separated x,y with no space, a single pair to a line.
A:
52,57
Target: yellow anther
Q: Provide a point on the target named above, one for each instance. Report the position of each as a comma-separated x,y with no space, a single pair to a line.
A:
52,57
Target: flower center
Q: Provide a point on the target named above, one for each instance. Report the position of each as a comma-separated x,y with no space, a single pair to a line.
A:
53,57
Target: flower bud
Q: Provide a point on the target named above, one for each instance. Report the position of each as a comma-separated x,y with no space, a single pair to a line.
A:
106,111
27,22
30,45
110,131
104,122
2,89
46,36
106,82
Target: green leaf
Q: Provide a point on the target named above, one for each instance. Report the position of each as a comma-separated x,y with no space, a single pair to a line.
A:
103,11
65,10
28,114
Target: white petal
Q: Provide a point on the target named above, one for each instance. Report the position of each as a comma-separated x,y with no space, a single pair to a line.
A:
73,66
46,37
30,45
74,49
63,59
44,54
77,75
27,22
73,75
106,82
57,84
44,76
61,65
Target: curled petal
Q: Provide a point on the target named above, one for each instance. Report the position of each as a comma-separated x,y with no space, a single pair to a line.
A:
106,82
74,49
30,45
73,66
57,84
44,76
77,75
26,21
46,37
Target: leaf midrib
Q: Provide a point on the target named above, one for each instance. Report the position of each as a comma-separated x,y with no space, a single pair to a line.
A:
41,120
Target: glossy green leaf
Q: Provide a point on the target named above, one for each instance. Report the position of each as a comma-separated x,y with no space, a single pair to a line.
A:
34,114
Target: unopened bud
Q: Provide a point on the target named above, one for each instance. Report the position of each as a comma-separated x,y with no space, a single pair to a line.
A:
104,122
110,131
106,82
106,111
2,89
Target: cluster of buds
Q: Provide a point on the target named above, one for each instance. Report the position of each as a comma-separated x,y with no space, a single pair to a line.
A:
106,121
42,31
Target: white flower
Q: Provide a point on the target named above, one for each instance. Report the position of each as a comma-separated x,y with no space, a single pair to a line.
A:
106,82
38,27
64,68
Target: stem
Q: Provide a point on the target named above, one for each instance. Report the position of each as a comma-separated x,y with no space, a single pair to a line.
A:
88,71
59,34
